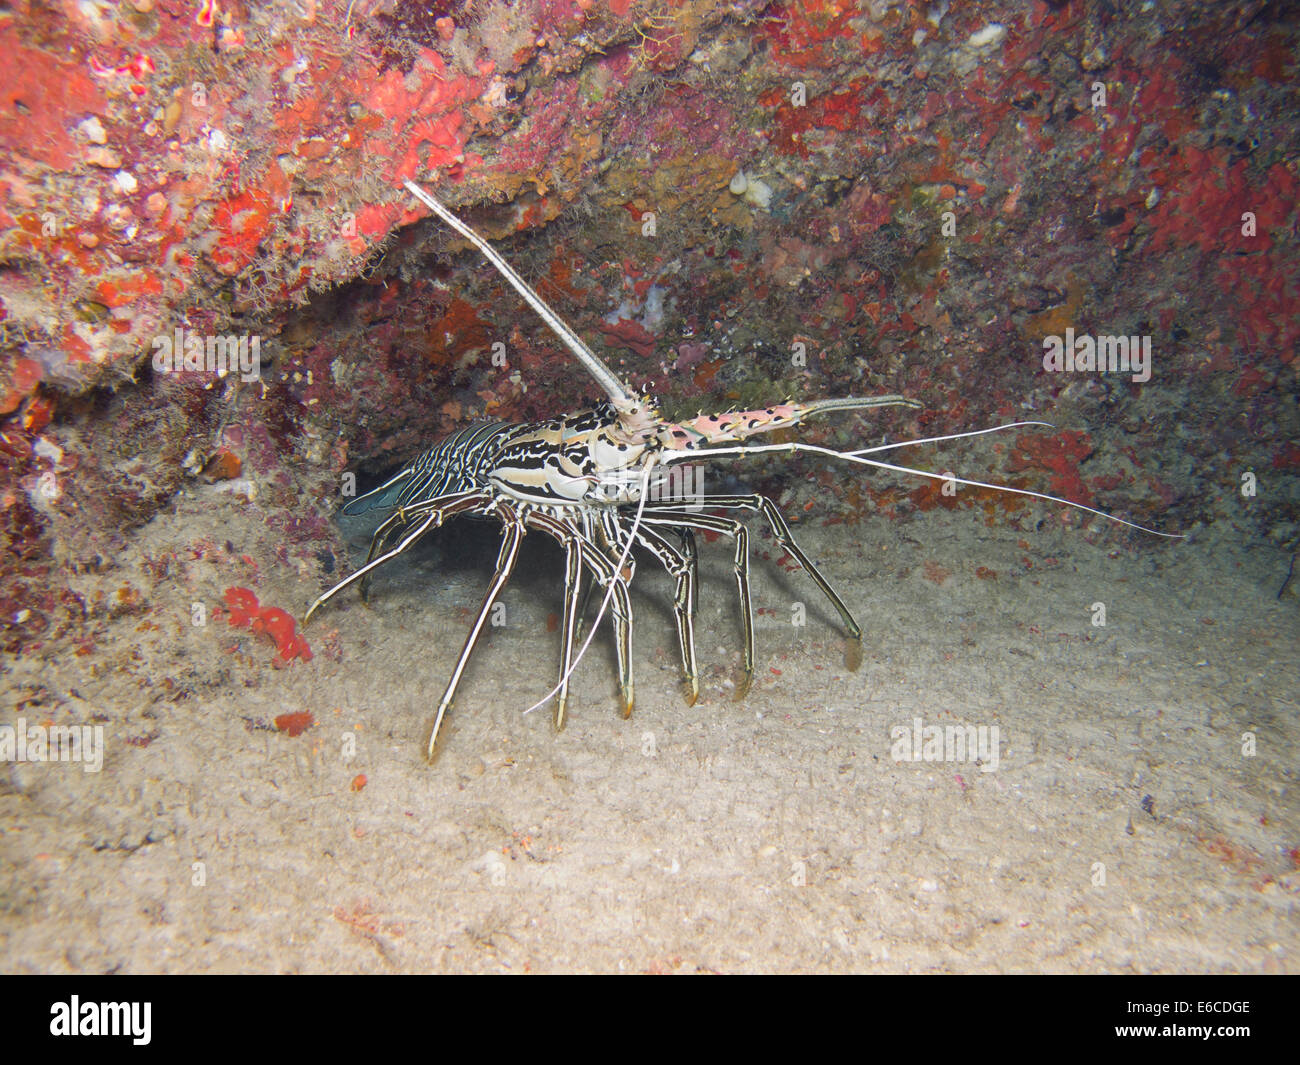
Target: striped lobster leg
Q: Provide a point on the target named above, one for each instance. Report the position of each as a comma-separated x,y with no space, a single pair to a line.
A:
425,516
581,556
692,554
394,524
573,570
512,533
604,570
771,513
682,566
664,515
667,517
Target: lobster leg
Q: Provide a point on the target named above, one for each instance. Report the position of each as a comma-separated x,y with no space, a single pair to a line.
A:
574,561
583,555
603,543
394,524
693,563
572,590
619,616
433,512
510,538
772,515
622,622
682,567
657,516
602,570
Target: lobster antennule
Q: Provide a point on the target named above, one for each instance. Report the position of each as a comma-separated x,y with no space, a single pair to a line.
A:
619,393
739,425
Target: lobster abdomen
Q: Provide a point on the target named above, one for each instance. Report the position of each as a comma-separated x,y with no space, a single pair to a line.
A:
457,463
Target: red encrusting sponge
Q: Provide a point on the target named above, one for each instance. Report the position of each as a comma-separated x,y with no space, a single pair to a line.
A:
245,613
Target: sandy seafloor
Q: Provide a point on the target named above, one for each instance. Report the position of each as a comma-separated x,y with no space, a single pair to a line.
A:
1123,830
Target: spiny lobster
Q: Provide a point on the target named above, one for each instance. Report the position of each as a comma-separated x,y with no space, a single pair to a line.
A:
589,480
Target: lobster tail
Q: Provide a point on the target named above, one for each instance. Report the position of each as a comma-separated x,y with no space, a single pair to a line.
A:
383,497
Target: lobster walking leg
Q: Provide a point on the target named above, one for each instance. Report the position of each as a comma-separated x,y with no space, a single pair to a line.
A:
622,619
682,567
583,555
771,513
622,623
511,535
433,512
395,524
607,554
664,517
621,613
572,591
692,555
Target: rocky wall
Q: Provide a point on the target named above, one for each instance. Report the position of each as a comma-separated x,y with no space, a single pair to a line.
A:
733,202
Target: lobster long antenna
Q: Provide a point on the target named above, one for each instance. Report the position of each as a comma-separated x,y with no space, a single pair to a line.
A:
856,456
949,436
617,391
